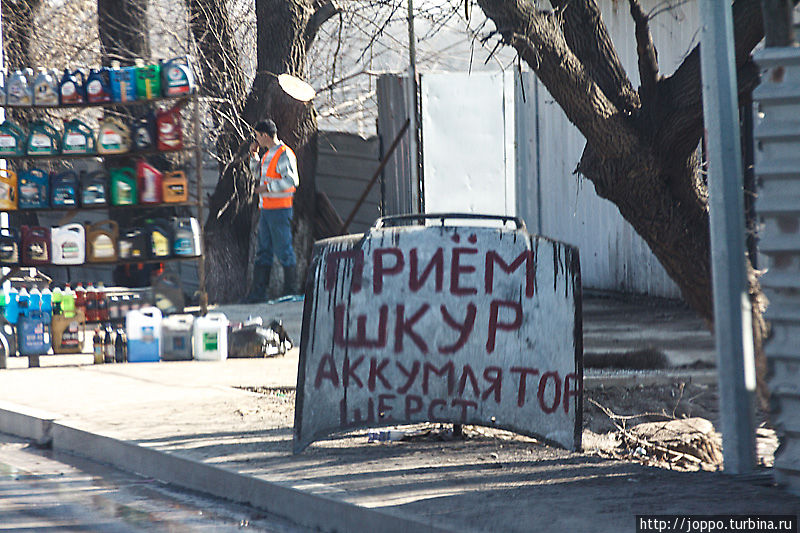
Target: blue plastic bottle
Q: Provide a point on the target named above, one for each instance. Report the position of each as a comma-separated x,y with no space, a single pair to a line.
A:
35,300
47,301
22,301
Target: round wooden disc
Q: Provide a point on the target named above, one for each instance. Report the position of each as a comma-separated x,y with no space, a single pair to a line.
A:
296,88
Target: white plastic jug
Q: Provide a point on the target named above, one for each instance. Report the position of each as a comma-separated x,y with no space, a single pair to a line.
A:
176,338
210,337
143,327
68,244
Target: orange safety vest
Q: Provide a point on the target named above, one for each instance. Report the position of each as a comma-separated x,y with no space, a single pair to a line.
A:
280,200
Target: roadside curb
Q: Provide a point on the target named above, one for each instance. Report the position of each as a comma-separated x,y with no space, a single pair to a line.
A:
595,380
309,510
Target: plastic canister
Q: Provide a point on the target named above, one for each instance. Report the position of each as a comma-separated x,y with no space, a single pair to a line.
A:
178,78
94,188
33,331
143,327
8,189
148,81
98,88
168,127
187,237
159,238
12,139
101,243
64,187
34,189
18,92
149,183
43,139
114,136
132,244
123,83
71,90
78,138
210,337
35,245
123,186
143,132
176,338
68,332
45,89
9,246
68,244
174,187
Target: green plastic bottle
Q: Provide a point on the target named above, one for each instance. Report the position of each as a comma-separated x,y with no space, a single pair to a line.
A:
68,302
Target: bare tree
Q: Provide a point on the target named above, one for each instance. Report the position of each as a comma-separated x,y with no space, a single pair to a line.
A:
641,148
285,30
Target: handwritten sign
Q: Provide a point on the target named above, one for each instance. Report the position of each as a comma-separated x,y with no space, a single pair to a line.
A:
470,325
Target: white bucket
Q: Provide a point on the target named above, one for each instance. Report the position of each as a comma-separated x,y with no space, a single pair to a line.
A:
210,337
176,338
68,244
143,327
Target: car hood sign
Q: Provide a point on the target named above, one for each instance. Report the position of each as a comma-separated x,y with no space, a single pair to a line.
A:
461,324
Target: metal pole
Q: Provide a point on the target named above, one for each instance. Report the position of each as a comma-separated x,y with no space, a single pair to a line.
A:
411,98
732,313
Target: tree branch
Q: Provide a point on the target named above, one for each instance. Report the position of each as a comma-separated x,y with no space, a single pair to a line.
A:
322,14
538,39
646,50
587,36
682,112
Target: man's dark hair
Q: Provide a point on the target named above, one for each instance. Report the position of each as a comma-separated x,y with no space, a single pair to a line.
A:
268,127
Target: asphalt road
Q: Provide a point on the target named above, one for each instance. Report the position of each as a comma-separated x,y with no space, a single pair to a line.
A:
43,491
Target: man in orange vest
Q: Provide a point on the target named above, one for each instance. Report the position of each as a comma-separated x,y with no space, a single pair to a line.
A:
276,172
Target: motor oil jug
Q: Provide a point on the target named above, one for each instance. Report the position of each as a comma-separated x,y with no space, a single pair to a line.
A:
178,78
68,244
35,245
12,139
9,246
45,89
132,244
186,242
169,131
43,139
174,187
210,337
123,83
148,81
33,333
18,91
8,189
123,186
101,243
64,187
34,189
176,337
149,183
98,88
68,332
144,132
94,188
71,89
143,327
159,238
78,138
114,137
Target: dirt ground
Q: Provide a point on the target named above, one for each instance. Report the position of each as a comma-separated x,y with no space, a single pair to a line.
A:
669,426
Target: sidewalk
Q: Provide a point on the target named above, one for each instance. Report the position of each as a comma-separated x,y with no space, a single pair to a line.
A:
192,424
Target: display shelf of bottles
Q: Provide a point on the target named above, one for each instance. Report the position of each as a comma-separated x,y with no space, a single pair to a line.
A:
95,155
85,105
132,261
99,207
